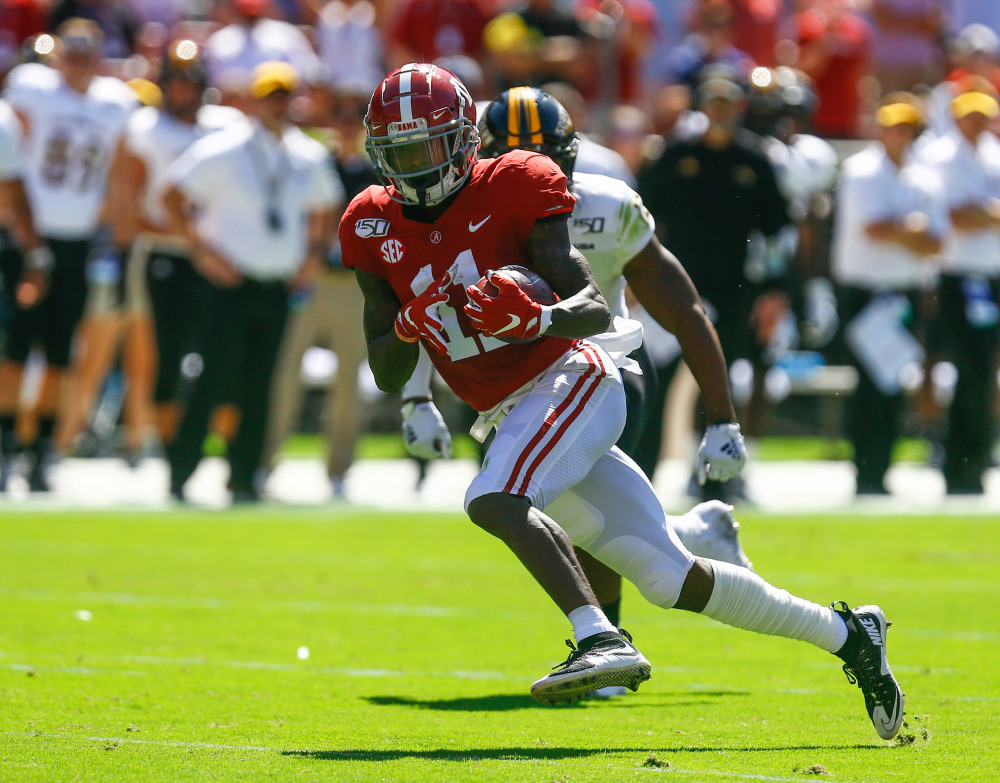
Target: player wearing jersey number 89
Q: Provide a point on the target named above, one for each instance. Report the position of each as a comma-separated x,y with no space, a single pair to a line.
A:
73,120
557,402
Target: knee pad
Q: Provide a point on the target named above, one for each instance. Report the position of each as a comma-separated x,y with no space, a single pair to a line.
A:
614,515
657,576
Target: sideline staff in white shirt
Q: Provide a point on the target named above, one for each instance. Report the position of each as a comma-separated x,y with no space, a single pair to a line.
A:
967,159
891,217
264,195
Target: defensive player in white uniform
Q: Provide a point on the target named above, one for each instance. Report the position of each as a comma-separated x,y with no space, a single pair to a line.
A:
552,474
163,289
73,122
780,107
23,277
15,215
615,232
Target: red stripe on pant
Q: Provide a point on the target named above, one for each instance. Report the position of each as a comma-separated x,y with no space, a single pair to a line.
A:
597,366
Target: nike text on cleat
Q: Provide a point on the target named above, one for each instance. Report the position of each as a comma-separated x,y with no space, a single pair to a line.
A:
602,660
866,664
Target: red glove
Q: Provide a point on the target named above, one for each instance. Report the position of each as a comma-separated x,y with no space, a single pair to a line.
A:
509,314
419,317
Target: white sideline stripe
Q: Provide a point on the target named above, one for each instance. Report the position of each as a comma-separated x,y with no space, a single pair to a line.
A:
406,610
222,603
735,775
25,667
376,753
281,667
694,687
136,741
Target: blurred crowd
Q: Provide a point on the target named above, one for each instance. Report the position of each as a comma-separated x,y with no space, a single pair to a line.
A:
826,170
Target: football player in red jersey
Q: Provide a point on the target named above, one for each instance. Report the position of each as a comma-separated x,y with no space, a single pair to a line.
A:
419,243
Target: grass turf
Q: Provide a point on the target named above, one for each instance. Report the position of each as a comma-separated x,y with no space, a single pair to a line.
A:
390,446
423,636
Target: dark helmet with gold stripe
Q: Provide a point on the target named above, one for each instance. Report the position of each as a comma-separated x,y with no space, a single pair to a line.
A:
527,118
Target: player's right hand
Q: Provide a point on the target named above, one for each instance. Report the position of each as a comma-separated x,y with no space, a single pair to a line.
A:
424,432
419,317
722,453
32,288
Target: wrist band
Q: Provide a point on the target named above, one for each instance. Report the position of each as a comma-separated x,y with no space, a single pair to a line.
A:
40,259
545,319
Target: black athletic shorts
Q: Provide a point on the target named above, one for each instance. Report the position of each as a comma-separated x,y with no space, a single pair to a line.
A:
51,324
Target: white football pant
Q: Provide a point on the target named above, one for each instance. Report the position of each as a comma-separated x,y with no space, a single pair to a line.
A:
556,447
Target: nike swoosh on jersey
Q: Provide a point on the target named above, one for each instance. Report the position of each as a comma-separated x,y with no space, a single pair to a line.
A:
515,321
474,227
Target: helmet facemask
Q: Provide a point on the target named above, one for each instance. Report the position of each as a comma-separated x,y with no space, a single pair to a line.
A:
424,165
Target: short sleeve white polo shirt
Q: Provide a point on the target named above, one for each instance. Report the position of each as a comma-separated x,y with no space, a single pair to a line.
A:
969,175
872,190
254,194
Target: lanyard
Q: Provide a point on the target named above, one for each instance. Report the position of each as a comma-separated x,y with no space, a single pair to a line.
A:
272,180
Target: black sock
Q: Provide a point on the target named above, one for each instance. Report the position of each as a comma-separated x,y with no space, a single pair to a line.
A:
43,443
613,611
850,647
8,435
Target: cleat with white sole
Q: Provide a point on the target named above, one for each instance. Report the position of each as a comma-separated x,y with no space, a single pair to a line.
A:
711,531
603,660
866,664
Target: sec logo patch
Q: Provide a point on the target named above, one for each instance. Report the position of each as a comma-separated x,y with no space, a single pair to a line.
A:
393,251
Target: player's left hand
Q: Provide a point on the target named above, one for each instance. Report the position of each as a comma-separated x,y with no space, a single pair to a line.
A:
722,453
511,313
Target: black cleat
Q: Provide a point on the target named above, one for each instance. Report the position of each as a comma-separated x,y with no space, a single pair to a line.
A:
867,665
38,477
601,660
6,471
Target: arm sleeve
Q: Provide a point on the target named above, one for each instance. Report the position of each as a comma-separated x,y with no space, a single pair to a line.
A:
937,207
534,189
957,189
353,254
10,139
20,90
867,195
198,175
326,191
635,227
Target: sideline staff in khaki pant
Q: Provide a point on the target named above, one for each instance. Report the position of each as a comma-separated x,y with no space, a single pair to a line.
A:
331,316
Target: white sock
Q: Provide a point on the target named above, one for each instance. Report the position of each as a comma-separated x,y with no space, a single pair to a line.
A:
744,600
588,620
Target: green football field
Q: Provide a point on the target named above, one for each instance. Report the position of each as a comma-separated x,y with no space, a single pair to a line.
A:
344,645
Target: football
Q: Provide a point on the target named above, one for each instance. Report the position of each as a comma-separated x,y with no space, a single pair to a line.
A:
532,283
